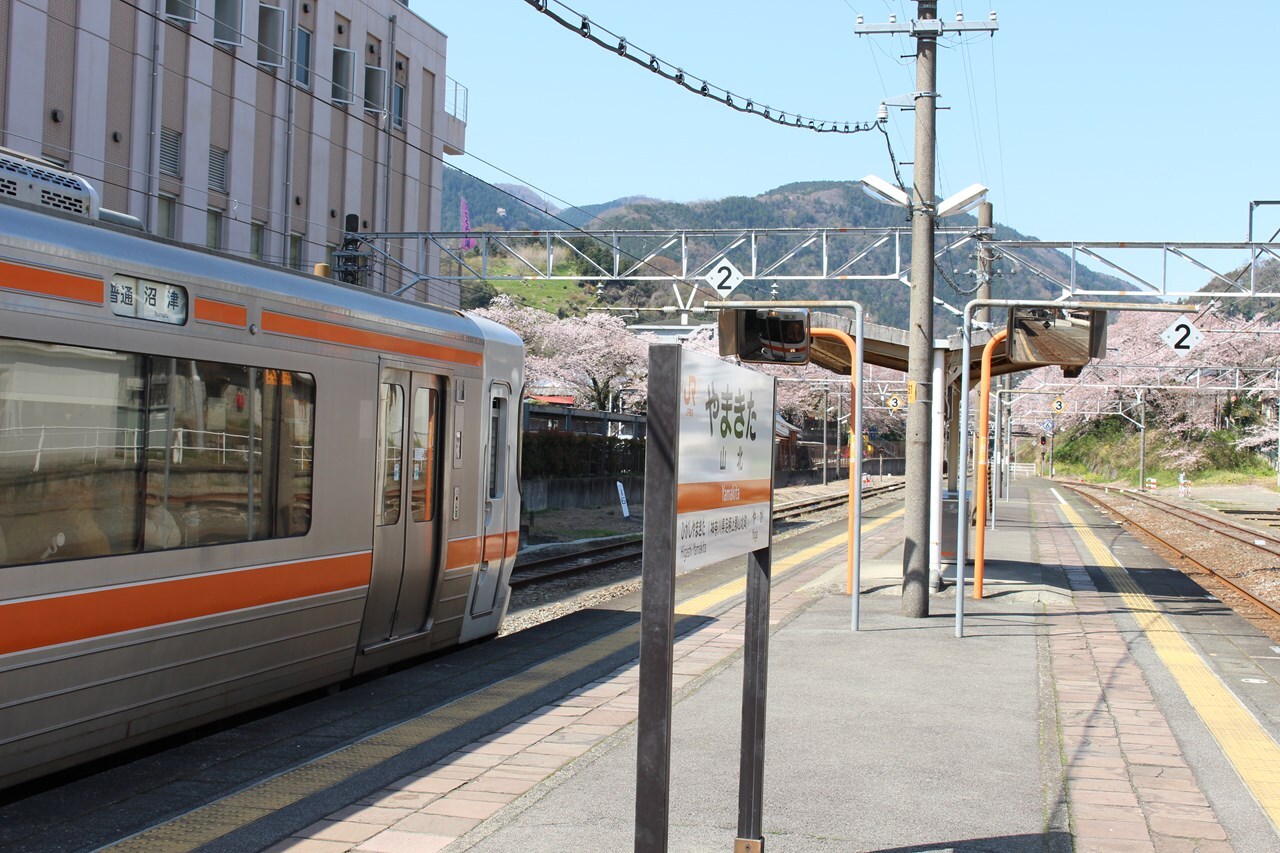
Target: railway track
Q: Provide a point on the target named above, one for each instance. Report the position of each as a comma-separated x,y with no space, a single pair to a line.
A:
1217,525
529,572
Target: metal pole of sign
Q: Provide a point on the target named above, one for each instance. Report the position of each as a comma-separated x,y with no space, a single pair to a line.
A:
755,671
658,602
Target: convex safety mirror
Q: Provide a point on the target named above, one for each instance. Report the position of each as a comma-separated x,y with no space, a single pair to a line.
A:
1064,336
765,335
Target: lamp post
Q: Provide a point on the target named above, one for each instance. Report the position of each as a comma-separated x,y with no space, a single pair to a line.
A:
920,344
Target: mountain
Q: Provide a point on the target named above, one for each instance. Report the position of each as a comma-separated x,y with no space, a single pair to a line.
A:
809,204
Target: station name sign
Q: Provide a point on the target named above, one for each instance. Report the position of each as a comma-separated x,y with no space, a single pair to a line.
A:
725,468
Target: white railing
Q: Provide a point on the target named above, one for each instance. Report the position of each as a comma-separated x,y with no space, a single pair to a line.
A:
455,99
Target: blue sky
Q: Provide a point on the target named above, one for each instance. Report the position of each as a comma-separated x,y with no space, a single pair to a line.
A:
1088,120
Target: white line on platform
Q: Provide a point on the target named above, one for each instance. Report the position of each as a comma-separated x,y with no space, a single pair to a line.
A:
1058,496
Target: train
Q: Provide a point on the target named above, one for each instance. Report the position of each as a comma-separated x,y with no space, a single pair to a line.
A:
225,483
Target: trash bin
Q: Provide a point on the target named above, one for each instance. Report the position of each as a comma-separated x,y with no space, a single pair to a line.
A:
950,506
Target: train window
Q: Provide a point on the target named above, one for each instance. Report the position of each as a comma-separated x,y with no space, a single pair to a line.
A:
112,453
70,429
497,447
390,450
425,405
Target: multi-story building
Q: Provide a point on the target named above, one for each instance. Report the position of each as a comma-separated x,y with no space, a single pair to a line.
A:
249,126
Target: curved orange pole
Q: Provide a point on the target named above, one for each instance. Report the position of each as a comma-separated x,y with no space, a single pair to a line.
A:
854,508
980,466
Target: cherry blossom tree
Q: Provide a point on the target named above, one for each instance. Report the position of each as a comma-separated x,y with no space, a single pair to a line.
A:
1137,357
595,356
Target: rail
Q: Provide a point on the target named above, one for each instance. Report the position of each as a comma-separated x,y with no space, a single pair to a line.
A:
1211,523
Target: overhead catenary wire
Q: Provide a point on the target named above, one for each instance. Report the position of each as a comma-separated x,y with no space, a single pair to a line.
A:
618,44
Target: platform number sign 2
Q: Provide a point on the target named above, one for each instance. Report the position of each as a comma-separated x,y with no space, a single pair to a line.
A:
724,277
1182,336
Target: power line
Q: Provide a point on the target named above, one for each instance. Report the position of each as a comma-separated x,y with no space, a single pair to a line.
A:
619,45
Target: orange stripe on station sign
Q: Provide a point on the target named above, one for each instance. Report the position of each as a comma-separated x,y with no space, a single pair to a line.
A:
58,619
226,313
44,282
319,330
696,497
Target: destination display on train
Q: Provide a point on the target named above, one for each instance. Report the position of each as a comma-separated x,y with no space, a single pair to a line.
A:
148,300
724,473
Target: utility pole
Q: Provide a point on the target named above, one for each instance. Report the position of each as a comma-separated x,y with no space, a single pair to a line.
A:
915,556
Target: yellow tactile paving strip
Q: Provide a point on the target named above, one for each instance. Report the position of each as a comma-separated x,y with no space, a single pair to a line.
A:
218,819
1247,745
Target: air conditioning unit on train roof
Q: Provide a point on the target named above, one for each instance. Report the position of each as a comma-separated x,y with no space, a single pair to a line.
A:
43,184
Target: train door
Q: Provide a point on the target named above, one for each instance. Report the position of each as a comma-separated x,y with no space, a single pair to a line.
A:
405,538
499,456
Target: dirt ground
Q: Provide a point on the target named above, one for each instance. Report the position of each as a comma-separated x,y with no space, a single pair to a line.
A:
567,525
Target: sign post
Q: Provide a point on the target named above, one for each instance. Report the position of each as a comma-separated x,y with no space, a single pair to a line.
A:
708,497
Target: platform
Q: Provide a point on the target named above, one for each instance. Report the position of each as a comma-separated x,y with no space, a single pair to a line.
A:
1099,701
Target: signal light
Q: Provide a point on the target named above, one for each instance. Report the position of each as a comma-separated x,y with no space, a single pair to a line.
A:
1043,441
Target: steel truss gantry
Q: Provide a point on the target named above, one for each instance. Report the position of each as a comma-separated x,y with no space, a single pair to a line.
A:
678,255
1156,377
1239,279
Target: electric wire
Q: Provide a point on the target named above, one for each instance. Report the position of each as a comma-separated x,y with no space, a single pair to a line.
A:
618,44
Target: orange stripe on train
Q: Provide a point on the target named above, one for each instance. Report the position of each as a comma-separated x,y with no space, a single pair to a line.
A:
226,313
462,553
50,283
43,622
319,330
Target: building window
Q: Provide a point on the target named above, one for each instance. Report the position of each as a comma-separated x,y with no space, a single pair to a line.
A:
258,240
295,251
228,22
271,31
181,10
213,228
170,152
375,89
217,169
302,57
397,105
167,217
344,75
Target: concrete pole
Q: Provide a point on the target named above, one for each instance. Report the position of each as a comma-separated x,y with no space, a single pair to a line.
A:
935,469
826,402
915,555
985,216
953,437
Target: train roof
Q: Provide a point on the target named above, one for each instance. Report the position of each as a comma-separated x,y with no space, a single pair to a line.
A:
76,238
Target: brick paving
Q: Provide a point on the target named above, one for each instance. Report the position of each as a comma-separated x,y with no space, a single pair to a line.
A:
1128,783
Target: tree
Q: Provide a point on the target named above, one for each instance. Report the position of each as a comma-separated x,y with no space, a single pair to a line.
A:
595,356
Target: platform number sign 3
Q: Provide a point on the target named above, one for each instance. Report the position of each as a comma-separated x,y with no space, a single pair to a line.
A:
724,277
1059,405
1182,336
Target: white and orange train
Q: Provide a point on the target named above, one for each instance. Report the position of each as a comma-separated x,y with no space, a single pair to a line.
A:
223,483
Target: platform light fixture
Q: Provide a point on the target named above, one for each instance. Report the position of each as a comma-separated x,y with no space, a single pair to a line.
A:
967,199
882,190
961,202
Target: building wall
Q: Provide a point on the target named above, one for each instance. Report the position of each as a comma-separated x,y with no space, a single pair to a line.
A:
92,85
